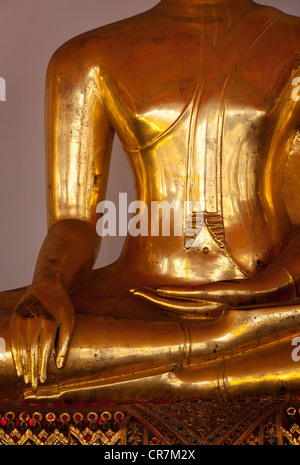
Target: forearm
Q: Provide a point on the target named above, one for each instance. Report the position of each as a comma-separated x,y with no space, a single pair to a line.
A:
68,253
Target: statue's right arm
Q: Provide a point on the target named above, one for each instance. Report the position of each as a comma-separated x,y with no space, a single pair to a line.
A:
79,139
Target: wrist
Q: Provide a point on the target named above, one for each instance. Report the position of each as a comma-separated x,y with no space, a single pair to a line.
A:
285,279
48,280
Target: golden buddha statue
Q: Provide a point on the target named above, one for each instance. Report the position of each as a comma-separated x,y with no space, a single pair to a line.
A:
200,93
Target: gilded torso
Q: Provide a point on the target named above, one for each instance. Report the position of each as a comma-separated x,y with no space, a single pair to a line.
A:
204,112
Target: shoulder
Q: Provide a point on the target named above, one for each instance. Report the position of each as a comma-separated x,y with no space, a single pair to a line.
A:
286,31
101,44
275,55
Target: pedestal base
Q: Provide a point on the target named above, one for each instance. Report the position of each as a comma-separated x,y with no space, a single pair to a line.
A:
261,422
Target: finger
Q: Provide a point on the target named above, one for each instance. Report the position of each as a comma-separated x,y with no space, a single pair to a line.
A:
23,348
190,309
34,333
233,292
187,292
66,325
165,302
46,343
14,345
34,363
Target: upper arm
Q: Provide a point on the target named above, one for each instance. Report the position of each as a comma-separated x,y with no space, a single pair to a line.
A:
291,177
281,183
79,135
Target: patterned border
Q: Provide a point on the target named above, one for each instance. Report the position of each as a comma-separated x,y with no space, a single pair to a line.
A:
183,423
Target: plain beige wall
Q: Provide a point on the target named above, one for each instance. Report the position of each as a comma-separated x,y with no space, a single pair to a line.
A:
30,31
